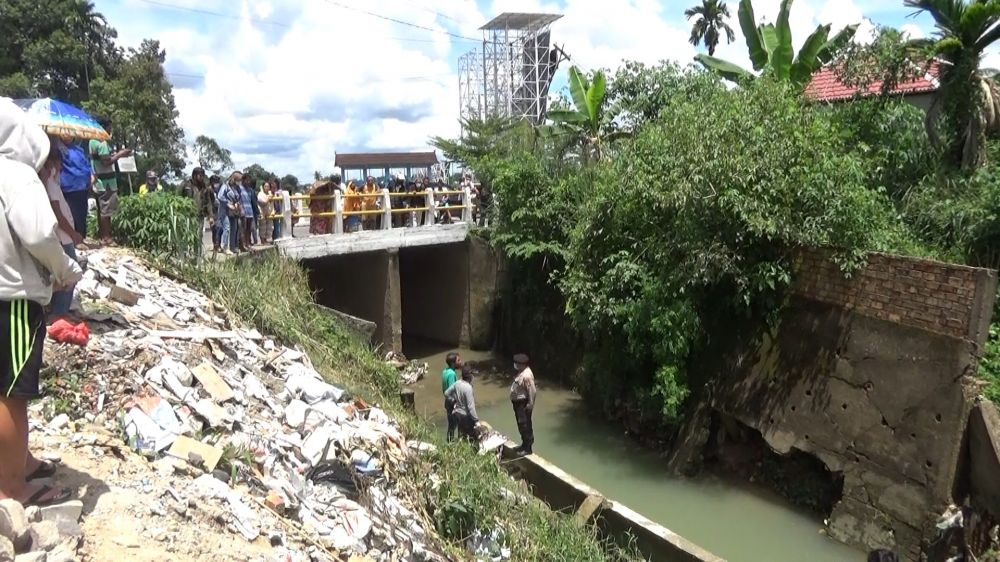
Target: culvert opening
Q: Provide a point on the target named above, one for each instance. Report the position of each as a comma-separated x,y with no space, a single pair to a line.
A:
735,449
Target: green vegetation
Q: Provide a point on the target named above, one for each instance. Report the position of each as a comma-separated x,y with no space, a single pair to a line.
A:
772,51
160,223
693,216
65,49
473,492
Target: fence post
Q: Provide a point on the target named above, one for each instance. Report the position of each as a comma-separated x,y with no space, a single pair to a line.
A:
338,212
386,210
431,207
466,205
286,213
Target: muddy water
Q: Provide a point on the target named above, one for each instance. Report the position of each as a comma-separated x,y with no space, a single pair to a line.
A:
733,520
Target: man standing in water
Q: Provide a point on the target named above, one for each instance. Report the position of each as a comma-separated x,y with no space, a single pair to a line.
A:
448,378
465,406
522,396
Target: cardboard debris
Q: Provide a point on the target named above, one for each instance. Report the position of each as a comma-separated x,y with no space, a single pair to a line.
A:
196,453
213,383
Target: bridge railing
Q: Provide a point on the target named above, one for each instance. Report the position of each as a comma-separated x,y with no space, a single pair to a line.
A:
427,211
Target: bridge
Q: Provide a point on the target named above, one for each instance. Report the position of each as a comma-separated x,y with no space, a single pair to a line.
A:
425,280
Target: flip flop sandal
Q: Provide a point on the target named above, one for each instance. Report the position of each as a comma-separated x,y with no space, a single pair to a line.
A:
45,469
36,498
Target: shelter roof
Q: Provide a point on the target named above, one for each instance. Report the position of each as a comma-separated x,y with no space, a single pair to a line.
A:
354,160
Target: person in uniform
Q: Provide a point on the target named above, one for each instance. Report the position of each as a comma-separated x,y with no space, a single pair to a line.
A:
522,397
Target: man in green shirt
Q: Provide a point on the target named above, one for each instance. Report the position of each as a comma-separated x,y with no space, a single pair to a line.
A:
448,377
106,181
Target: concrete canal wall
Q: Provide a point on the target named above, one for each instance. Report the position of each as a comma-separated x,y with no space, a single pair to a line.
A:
562,492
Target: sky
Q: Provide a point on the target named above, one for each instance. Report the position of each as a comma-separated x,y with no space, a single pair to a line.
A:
288,83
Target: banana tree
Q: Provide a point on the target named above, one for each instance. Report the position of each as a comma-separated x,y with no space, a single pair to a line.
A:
772,51
967,104
585,125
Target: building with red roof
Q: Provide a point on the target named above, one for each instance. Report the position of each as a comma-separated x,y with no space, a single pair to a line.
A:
825,86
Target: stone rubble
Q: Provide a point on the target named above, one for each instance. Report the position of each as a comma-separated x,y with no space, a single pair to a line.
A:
239,430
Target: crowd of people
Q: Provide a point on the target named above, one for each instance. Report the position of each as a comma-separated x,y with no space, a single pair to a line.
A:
364,206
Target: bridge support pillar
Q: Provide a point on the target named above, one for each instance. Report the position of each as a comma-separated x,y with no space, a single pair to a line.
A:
391,326
478,326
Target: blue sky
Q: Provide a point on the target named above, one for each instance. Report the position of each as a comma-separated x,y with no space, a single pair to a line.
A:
287,83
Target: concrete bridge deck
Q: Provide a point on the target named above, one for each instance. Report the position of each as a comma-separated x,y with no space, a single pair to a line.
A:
315,247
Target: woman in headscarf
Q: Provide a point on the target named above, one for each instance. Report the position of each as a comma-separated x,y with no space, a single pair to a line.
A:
264,204
322,189
352,204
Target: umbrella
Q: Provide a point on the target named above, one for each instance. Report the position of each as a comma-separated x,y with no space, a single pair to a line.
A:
62,119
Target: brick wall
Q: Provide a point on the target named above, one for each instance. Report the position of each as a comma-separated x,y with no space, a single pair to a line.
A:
947,299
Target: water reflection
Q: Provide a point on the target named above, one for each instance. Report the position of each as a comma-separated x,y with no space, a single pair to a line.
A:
736,521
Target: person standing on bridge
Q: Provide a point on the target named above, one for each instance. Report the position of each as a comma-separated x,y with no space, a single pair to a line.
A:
320,202
464,410
449,376
370,203
522,397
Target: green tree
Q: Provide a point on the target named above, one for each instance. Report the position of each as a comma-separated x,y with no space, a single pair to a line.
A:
54,48
586,125
211,155
711,24
638,94
258,173
140,102
290,183
966,108
772,51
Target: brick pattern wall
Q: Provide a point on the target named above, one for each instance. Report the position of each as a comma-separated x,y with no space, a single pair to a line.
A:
934,296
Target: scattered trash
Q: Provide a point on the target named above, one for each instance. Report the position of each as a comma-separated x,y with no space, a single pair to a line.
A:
241,428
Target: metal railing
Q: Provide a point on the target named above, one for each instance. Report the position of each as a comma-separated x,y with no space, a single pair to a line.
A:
429,209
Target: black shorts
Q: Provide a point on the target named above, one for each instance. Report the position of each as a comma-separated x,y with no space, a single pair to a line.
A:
22,336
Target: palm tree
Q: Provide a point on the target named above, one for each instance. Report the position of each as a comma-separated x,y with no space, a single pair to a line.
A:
772,51
586,125
712,16
967,104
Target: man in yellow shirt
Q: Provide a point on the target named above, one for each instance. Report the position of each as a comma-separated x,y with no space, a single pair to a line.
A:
152,184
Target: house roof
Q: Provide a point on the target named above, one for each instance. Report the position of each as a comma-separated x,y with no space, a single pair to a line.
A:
356,160
826,86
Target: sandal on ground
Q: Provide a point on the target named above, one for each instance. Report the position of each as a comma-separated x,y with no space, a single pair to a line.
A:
37,500
45,469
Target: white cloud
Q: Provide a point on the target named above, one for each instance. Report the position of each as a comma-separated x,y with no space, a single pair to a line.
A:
320,77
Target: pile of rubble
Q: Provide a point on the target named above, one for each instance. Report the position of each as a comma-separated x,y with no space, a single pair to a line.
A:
48,534
234,425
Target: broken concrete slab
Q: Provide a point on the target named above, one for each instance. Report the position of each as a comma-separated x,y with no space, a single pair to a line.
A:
44,535
68,511
13,523
125,296
984,455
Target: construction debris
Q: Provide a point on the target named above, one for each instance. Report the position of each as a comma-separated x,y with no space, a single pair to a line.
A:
238,429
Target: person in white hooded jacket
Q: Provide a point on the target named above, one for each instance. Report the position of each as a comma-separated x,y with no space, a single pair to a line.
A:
32,262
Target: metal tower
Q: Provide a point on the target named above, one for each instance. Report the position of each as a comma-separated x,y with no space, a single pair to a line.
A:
511,74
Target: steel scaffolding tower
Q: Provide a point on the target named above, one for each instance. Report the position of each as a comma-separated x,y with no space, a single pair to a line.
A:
511,74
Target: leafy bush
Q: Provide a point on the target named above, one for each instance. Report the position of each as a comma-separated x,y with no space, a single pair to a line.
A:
701,215
158,223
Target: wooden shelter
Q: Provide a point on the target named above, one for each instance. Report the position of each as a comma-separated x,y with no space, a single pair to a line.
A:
358,165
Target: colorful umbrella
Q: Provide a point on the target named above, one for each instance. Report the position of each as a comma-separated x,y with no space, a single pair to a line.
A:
62,119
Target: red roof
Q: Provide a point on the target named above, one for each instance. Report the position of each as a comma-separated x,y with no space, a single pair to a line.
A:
825,86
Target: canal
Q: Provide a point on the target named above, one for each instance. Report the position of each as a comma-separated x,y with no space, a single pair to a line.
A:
734,520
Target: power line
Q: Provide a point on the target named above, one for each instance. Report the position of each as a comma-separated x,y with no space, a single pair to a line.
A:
402,22
435,78
435,12
287,25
